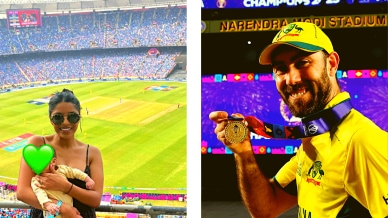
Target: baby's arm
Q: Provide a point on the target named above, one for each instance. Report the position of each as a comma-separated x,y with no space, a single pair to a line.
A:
43,199
78,174
40,193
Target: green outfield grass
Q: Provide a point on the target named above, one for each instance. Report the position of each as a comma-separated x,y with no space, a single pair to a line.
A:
142,137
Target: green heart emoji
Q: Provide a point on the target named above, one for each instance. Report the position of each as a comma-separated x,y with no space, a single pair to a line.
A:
38,158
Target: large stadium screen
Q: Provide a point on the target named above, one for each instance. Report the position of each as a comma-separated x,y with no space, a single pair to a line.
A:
23,17
256,95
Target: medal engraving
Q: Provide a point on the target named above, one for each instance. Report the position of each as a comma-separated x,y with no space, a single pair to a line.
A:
236,132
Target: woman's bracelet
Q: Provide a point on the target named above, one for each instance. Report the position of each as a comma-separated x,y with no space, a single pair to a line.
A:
70,188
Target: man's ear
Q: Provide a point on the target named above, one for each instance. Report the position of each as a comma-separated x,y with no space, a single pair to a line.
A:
334,60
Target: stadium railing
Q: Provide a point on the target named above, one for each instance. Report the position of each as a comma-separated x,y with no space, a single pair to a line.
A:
153,211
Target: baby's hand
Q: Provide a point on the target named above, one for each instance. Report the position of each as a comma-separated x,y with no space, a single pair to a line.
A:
89,183
51,207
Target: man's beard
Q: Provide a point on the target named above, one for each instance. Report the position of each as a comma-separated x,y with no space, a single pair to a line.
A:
320,93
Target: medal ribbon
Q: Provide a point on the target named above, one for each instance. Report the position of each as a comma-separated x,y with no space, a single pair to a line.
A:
311,125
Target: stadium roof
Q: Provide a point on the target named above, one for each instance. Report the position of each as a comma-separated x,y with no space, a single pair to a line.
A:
76,5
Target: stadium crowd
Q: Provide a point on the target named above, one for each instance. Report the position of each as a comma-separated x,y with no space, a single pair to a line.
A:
26,68
93,45
108,29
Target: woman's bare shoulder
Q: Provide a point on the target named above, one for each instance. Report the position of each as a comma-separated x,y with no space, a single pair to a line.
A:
39,140
94,154
36,140
94,150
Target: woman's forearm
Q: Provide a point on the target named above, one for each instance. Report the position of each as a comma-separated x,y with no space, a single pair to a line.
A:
24,190
88,197
27,196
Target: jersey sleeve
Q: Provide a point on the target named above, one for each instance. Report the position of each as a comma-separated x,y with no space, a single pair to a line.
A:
367,170
286,175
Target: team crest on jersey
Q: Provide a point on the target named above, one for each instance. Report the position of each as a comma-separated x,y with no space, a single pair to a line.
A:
315,173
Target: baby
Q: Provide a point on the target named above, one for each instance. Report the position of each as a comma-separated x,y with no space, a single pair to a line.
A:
44,196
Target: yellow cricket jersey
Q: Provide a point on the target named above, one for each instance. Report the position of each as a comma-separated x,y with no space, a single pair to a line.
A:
343,172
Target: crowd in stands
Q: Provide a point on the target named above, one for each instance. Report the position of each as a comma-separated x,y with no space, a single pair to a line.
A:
7,192
93,45
106,29
14,213
116,63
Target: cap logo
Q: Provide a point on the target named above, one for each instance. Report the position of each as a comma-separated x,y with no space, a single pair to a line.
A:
286,30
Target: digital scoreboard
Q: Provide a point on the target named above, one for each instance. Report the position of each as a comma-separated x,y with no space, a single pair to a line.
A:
23,17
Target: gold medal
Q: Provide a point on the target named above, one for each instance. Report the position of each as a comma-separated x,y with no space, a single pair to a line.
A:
235,132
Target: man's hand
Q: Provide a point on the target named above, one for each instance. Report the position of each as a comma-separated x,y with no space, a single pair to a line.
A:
221,119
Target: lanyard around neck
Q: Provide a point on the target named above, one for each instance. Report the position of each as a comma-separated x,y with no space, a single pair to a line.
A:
312,125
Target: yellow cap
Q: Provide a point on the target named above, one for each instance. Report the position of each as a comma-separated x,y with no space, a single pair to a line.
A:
302,35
